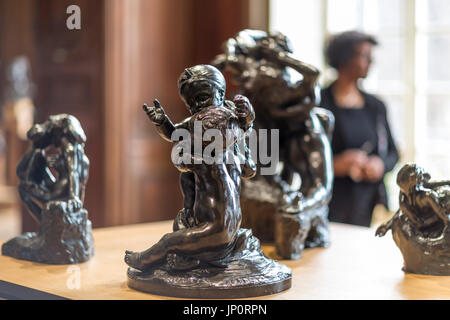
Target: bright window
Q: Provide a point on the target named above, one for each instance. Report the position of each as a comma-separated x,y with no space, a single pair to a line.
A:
411,70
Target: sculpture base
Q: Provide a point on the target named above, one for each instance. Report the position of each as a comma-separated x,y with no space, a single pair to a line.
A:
291,233
423,253
259,203
247,272
64,238
295,232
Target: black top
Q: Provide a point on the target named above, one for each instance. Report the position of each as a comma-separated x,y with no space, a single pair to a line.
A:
367,129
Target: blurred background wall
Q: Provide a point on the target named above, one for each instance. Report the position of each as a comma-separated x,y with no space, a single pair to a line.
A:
126,53
130,52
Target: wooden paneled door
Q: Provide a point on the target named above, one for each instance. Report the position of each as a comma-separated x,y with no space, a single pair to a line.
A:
69,75
67,68
148,45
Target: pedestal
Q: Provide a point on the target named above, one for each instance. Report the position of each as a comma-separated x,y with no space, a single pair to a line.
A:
247,272
295,232
422,253
64,238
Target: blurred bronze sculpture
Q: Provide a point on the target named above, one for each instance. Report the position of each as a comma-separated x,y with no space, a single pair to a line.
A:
291,206
420,226
52,180
207,255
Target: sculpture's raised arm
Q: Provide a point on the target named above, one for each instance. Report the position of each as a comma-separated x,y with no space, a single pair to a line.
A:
74,189
161,120
436,184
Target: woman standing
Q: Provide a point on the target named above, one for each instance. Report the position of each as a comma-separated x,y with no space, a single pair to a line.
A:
363,148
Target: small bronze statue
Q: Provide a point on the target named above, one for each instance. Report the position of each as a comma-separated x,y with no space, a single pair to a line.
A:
207,255
420,226
291,206
52,180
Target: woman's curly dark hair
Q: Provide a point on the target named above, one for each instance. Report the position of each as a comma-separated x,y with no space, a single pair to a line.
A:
340,48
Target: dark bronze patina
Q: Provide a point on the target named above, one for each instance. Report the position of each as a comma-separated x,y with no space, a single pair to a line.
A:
420,226
208,255
295,215
52,179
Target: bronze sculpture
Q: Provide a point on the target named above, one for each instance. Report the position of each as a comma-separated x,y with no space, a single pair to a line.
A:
207,255
420,226
52,180
278,207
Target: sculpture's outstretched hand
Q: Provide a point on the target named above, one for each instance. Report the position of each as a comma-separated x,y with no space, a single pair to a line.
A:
155,113
385,227
381,230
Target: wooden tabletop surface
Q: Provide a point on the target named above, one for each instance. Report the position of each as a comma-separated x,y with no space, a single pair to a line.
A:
356,266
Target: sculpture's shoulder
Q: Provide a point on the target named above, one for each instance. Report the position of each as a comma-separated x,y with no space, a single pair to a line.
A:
438,192
325,118
215,117
443,192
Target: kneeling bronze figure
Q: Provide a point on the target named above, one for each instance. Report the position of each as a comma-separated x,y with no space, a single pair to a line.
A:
207,255
52,180
420,226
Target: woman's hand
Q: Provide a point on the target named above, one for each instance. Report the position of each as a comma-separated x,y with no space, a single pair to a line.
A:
350,163
374,169
357,165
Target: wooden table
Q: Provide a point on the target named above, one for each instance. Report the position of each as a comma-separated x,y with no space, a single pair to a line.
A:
356,266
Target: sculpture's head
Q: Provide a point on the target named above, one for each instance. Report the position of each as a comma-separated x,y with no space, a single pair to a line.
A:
411,175
39,135
282,41
252,38
67,126
54,129
202,86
